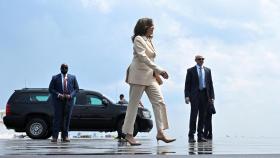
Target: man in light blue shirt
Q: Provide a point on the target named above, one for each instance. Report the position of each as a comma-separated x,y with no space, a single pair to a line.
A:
199,92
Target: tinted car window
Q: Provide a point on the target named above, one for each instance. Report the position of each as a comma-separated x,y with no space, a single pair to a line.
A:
21,98
37,98
94,100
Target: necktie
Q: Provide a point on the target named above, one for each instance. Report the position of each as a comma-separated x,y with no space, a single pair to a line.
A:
65,84
200,78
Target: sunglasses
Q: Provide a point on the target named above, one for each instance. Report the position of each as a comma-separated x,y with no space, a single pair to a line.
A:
200,59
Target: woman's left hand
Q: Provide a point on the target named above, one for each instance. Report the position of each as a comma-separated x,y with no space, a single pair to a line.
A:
164,74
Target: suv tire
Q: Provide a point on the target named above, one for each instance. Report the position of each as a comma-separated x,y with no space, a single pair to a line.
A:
37,128
119,128
48,135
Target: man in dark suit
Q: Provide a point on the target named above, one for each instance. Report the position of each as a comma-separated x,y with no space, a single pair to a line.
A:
199,92
63,88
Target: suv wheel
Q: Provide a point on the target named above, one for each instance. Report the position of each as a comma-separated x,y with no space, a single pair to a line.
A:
36,128
48,135
119,128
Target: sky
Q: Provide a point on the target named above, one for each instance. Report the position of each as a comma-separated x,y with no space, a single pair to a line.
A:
239,40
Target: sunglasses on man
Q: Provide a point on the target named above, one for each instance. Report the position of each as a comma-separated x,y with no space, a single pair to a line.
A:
200,59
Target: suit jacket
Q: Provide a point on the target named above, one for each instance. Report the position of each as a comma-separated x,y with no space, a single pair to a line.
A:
56,87
142,67
192,83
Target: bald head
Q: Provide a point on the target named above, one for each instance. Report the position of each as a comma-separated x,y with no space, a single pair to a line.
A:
199,59
64,69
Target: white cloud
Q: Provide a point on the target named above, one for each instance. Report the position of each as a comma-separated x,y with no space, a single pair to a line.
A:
270,16
223,24
169,26
103,6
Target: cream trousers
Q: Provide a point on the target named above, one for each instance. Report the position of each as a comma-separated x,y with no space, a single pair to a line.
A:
155,96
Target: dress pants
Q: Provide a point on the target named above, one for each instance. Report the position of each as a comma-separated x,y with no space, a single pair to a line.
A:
61,118
154,94
208,124
198,107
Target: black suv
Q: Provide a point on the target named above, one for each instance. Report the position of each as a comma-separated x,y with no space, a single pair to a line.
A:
30,110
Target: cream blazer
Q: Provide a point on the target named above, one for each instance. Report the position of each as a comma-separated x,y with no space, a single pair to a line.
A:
141,69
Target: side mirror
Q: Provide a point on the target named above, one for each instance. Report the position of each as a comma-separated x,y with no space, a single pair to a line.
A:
105,102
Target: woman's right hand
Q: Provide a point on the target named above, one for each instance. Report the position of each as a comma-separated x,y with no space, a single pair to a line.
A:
164,74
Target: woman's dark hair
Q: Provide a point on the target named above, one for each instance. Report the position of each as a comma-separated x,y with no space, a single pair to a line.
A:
141,27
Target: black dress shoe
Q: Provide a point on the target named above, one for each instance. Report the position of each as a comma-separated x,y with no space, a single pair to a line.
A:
201,139
210,137
191,140
120,136
54,140
205,135
65,140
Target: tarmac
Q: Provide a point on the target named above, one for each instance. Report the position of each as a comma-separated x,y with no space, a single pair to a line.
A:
113,148
149,156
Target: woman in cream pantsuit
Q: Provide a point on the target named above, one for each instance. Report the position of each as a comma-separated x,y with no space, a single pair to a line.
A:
141,77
